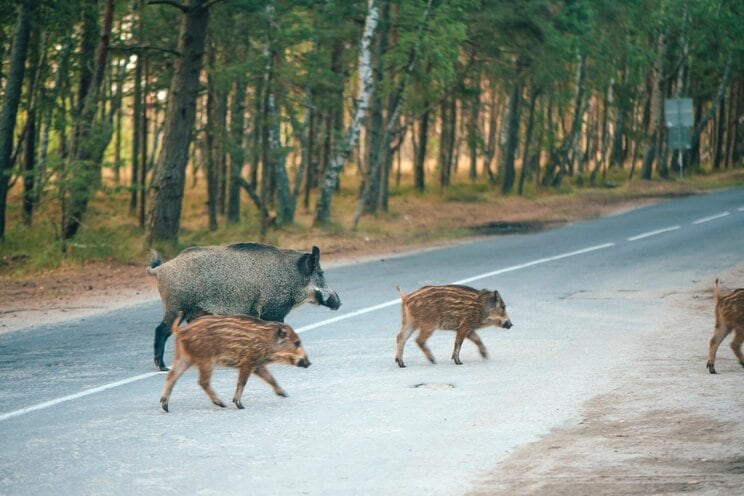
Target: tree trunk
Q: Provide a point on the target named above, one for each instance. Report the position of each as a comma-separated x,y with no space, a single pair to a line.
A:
491,145
323,205
29,155
559,158
703,122
511,134
92,135
474,137
419,166
527,139
370,186
165,216
237,156
210,151
653,141
11,100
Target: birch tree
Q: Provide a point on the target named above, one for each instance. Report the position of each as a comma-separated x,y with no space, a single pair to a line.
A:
341,154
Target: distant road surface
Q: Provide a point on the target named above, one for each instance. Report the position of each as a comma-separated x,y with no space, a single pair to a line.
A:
602,310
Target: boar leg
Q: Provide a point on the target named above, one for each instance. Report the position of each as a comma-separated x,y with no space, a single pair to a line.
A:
161,335
179,367
400,341
477,340
205,374
264,374
424,334
736,344
242,379
462,331
719,334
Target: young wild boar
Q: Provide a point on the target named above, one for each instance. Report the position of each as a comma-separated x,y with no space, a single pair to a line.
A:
245,343
454,308
729,317
238,279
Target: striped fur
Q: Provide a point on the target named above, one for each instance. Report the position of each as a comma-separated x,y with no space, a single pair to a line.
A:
242,342
452,307
729,317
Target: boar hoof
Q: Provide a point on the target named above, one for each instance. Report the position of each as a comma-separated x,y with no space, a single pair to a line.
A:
400,363
160,365
457,361
711,368
238,404
164,404
282,393
219,403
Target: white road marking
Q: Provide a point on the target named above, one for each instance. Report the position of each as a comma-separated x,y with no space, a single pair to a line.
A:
653,233
81,394
741,209
88,392
712,217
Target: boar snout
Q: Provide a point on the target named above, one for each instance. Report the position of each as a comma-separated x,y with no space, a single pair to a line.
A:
330,300
507,325
304,362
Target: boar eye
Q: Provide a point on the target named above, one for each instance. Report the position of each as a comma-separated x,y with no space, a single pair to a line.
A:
297,343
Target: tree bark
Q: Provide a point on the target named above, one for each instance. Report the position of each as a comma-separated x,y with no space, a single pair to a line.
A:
165,216
511,142
11,100
330,177
237,155
92,136
419,167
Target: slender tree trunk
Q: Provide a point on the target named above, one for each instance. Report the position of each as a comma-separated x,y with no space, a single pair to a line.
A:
237,156
511,134
370,186
11,100
165,216
491,145
559,160
29,155
323,205
136,126
474,137
92,135
210,151
527,140
720,131
702,122
419,167
653,141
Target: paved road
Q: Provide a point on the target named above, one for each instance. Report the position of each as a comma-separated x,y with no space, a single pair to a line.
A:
79,411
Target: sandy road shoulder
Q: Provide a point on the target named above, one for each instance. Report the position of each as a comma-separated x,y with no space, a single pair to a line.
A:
665,425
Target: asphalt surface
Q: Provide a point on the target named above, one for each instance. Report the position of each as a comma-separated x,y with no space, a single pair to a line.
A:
79,409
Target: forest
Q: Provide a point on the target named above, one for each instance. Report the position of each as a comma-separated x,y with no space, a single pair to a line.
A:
269,107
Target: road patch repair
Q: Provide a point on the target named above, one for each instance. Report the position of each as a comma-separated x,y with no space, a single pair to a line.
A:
665,425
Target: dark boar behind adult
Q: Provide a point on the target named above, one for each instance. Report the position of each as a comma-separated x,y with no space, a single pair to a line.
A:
239,279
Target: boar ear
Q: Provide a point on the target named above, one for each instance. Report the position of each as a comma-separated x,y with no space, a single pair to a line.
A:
280,335
309,262
496,297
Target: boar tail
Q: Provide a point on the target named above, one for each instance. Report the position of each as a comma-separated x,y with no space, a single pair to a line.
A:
402,296
176,323
718,291
155,262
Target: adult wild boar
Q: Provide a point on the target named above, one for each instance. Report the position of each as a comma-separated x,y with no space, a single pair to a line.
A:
239,279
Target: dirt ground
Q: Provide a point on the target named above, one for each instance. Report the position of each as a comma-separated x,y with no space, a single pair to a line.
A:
666,426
